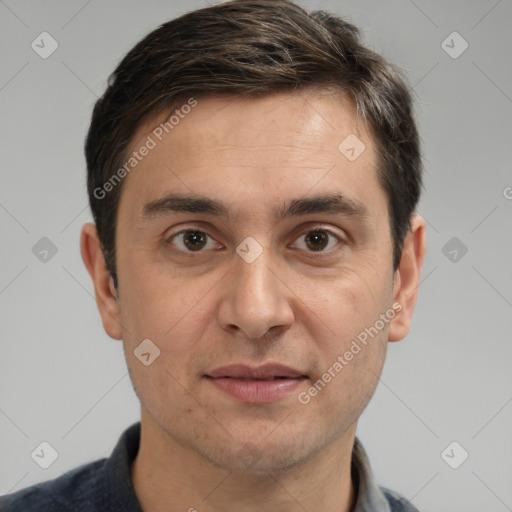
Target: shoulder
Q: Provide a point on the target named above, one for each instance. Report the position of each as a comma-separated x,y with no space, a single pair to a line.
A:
76,490
396,502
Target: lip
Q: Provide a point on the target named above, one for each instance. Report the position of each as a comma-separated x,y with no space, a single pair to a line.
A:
261,384
266,371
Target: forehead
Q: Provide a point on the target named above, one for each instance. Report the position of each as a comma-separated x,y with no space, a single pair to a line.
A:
266,125
271,147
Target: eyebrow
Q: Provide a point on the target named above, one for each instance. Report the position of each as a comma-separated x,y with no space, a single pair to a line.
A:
323,203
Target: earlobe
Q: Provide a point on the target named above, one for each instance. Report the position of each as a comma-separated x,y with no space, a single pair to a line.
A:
407,278
104,290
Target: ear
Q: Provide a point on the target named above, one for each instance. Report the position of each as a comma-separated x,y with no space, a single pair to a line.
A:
104,290
407,278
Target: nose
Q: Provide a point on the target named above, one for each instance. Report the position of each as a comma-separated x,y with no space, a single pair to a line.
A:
256,301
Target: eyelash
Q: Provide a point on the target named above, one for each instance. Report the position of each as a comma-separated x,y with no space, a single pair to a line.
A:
340,241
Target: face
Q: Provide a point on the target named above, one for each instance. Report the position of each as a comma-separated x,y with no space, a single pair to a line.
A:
286,261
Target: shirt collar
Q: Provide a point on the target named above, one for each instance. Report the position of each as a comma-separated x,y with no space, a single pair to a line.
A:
118,479
368,495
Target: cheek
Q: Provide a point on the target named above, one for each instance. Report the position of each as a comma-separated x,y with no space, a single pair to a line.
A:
173,313
158,304
341,390
343,318
345,305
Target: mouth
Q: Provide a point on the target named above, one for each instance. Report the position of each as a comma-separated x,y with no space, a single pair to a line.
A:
261,384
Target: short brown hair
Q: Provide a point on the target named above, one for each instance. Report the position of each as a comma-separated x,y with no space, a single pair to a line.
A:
250,48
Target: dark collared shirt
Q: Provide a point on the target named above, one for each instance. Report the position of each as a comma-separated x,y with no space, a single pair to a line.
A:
105,486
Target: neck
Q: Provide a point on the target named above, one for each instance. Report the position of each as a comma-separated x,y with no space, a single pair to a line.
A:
173,478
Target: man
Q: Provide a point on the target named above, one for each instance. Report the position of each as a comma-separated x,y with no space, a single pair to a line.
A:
253,172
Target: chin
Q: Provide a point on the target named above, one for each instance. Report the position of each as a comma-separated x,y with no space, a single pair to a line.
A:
250,460
259,457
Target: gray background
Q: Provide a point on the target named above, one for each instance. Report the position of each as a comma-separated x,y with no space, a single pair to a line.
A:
62,380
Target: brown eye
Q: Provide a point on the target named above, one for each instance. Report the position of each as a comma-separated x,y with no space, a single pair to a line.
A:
318,240
192,241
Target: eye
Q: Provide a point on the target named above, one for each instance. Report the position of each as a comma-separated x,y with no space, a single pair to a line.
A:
318,240
190,240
